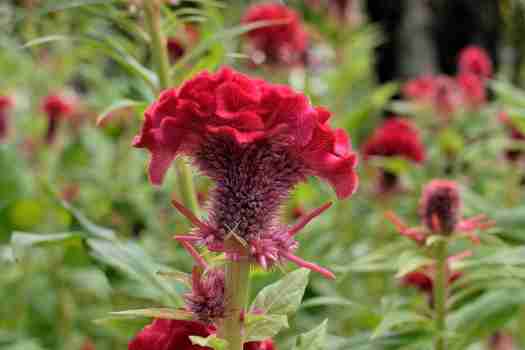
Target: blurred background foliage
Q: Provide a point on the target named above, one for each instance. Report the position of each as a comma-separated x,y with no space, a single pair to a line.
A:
61,271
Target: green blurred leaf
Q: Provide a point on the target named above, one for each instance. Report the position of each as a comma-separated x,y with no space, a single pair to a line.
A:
314,339
164,313
284,296
259,327
212,341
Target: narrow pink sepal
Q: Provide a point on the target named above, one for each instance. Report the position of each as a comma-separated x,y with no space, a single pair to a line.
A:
308,265
188,214
305,219
193,252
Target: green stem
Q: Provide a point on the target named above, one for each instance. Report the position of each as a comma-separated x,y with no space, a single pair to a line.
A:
158,43
237,276
161,60
440,293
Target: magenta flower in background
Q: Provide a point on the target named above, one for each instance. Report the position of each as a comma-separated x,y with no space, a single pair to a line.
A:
175,49
256,141
440,206
440,211
6,103
175,335
56,107
282,43
395,137
423,278
475,60
473,89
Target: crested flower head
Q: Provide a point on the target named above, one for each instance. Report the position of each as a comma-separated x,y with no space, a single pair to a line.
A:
57,106
284,42
420,88
206,299
169,335
6,103
175,49
473,89
475,60
256,141
440,206
396,137
175,335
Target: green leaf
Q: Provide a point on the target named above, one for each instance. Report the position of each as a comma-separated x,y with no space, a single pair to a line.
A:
328,301
314,339
131,259
409,262
284,296
212,342
119,105
397,318
164,313
21,240
258,327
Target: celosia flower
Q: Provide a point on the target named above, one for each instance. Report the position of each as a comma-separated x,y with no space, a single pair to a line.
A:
55,107
170,335
447,96
440,211
206,300
420,89
284,42
175,49
473,89
423,278
175,335
256,141
440,92
396,137
475,60
501,341
6,103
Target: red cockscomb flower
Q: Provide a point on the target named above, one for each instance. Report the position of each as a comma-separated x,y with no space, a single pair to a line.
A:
473,89
447,96
55,107
421,88
6,103
175,335
396,137
175,49
169,335
423,278
475,60
440,211
256,141
284,42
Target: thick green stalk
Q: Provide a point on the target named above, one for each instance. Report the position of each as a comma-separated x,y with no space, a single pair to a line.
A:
161,60
237,276
440,293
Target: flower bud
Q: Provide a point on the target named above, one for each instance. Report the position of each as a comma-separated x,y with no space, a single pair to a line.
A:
440,206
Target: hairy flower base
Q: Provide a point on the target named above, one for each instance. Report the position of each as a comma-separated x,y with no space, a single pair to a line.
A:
206,299
268,249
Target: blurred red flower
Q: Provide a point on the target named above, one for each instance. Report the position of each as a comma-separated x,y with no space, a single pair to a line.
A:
473,89
475,60
440,206
56,107
396,137
175,335
6,103
284,42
